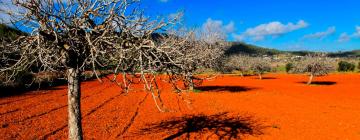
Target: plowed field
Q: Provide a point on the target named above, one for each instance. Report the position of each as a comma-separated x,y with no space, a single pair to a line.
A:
280,106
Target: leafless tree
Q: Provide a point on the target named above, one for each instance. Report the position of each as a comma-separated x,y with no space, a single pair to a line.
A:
239,62
314,65
259,66
74,36
199,53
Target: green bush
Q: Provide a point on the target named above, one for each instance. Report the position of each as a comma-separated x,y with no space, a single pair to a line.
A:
358,66
345,66
289,66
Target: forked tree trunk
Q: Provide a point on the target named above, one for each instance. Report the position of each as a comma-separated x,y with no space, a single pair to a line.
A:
260,76
310,79
74,94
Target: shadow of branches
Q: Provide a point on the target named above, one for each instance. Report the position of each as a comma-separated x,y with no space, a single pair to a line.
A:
224,88
321,83
220,126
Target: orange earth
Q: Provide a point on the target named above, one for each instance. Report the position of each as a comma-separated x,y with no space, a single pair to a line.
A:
279,107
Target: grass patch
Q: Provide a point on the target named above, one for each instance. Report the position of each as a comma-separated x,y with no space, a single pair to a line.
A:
197,91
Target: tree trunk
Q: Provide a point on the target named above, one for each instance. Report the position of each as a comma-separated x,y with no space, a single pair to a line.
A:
310,79
74,94
191,85
241,74
260,76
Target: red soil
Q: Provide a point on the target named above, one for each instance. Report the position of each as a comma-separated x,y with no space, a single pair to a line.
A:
278,107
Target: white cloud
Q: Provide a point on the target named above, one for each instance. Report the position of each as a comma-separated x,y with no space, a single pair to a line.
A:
344,37
274,29
218,24
214,30
9,11
230,27
5,6
238,37
321,35
357,32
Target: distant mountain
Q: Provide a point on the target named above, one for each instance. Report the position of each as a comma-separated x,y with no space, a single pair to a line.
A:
354,53
253,50
243,48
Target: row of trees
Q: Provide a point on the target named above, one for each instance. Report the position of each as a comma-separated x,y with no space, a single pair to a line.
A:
314,65
244,64
82,35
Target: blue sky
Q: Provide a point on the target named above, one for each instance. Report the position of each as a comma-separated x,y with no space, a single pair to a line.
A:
317,25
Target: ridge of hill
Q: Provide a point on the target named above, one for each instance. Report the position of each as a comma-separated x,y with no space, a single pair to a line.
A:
243,48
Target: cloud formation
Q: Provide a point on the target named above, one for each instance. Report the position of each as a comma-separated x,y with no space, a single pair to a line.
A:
321,35
5,6
213,30
218,24
344,37
9,12
357,32
274,29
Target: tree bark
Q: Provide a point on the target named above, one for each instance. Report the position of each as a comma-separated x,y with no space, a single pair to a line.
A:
260,76
74,94
310,79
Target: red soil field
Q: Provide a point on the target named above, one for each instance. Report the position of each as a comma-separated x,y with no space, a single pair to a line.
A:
279,107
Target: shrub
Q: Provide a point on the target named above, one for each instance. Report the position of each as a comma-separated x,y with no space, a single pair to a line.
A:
346,66
358,66
288,67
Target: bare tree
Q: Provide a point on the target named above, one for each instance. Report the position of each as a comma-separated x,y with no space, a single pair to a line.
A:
239,62
79,35
200,52
316,65
259,66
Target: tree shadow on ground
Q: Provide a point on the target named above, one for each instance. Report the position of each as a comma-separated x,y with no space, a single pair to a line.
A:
219,126
224,88
267,78
9,91
321,83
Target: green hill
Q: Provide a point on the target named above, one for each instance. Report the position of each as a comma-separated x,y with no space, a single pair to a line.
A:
248,49
243,48
8,33
354,53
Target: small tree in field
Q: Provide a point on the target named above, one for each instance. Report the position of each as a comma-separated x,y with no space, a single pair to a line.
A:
240,63
74,36
200,51
259,66
314,66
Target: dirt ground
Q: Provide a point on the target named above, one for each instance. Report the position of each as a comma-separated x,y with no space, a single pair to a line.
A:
279,107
